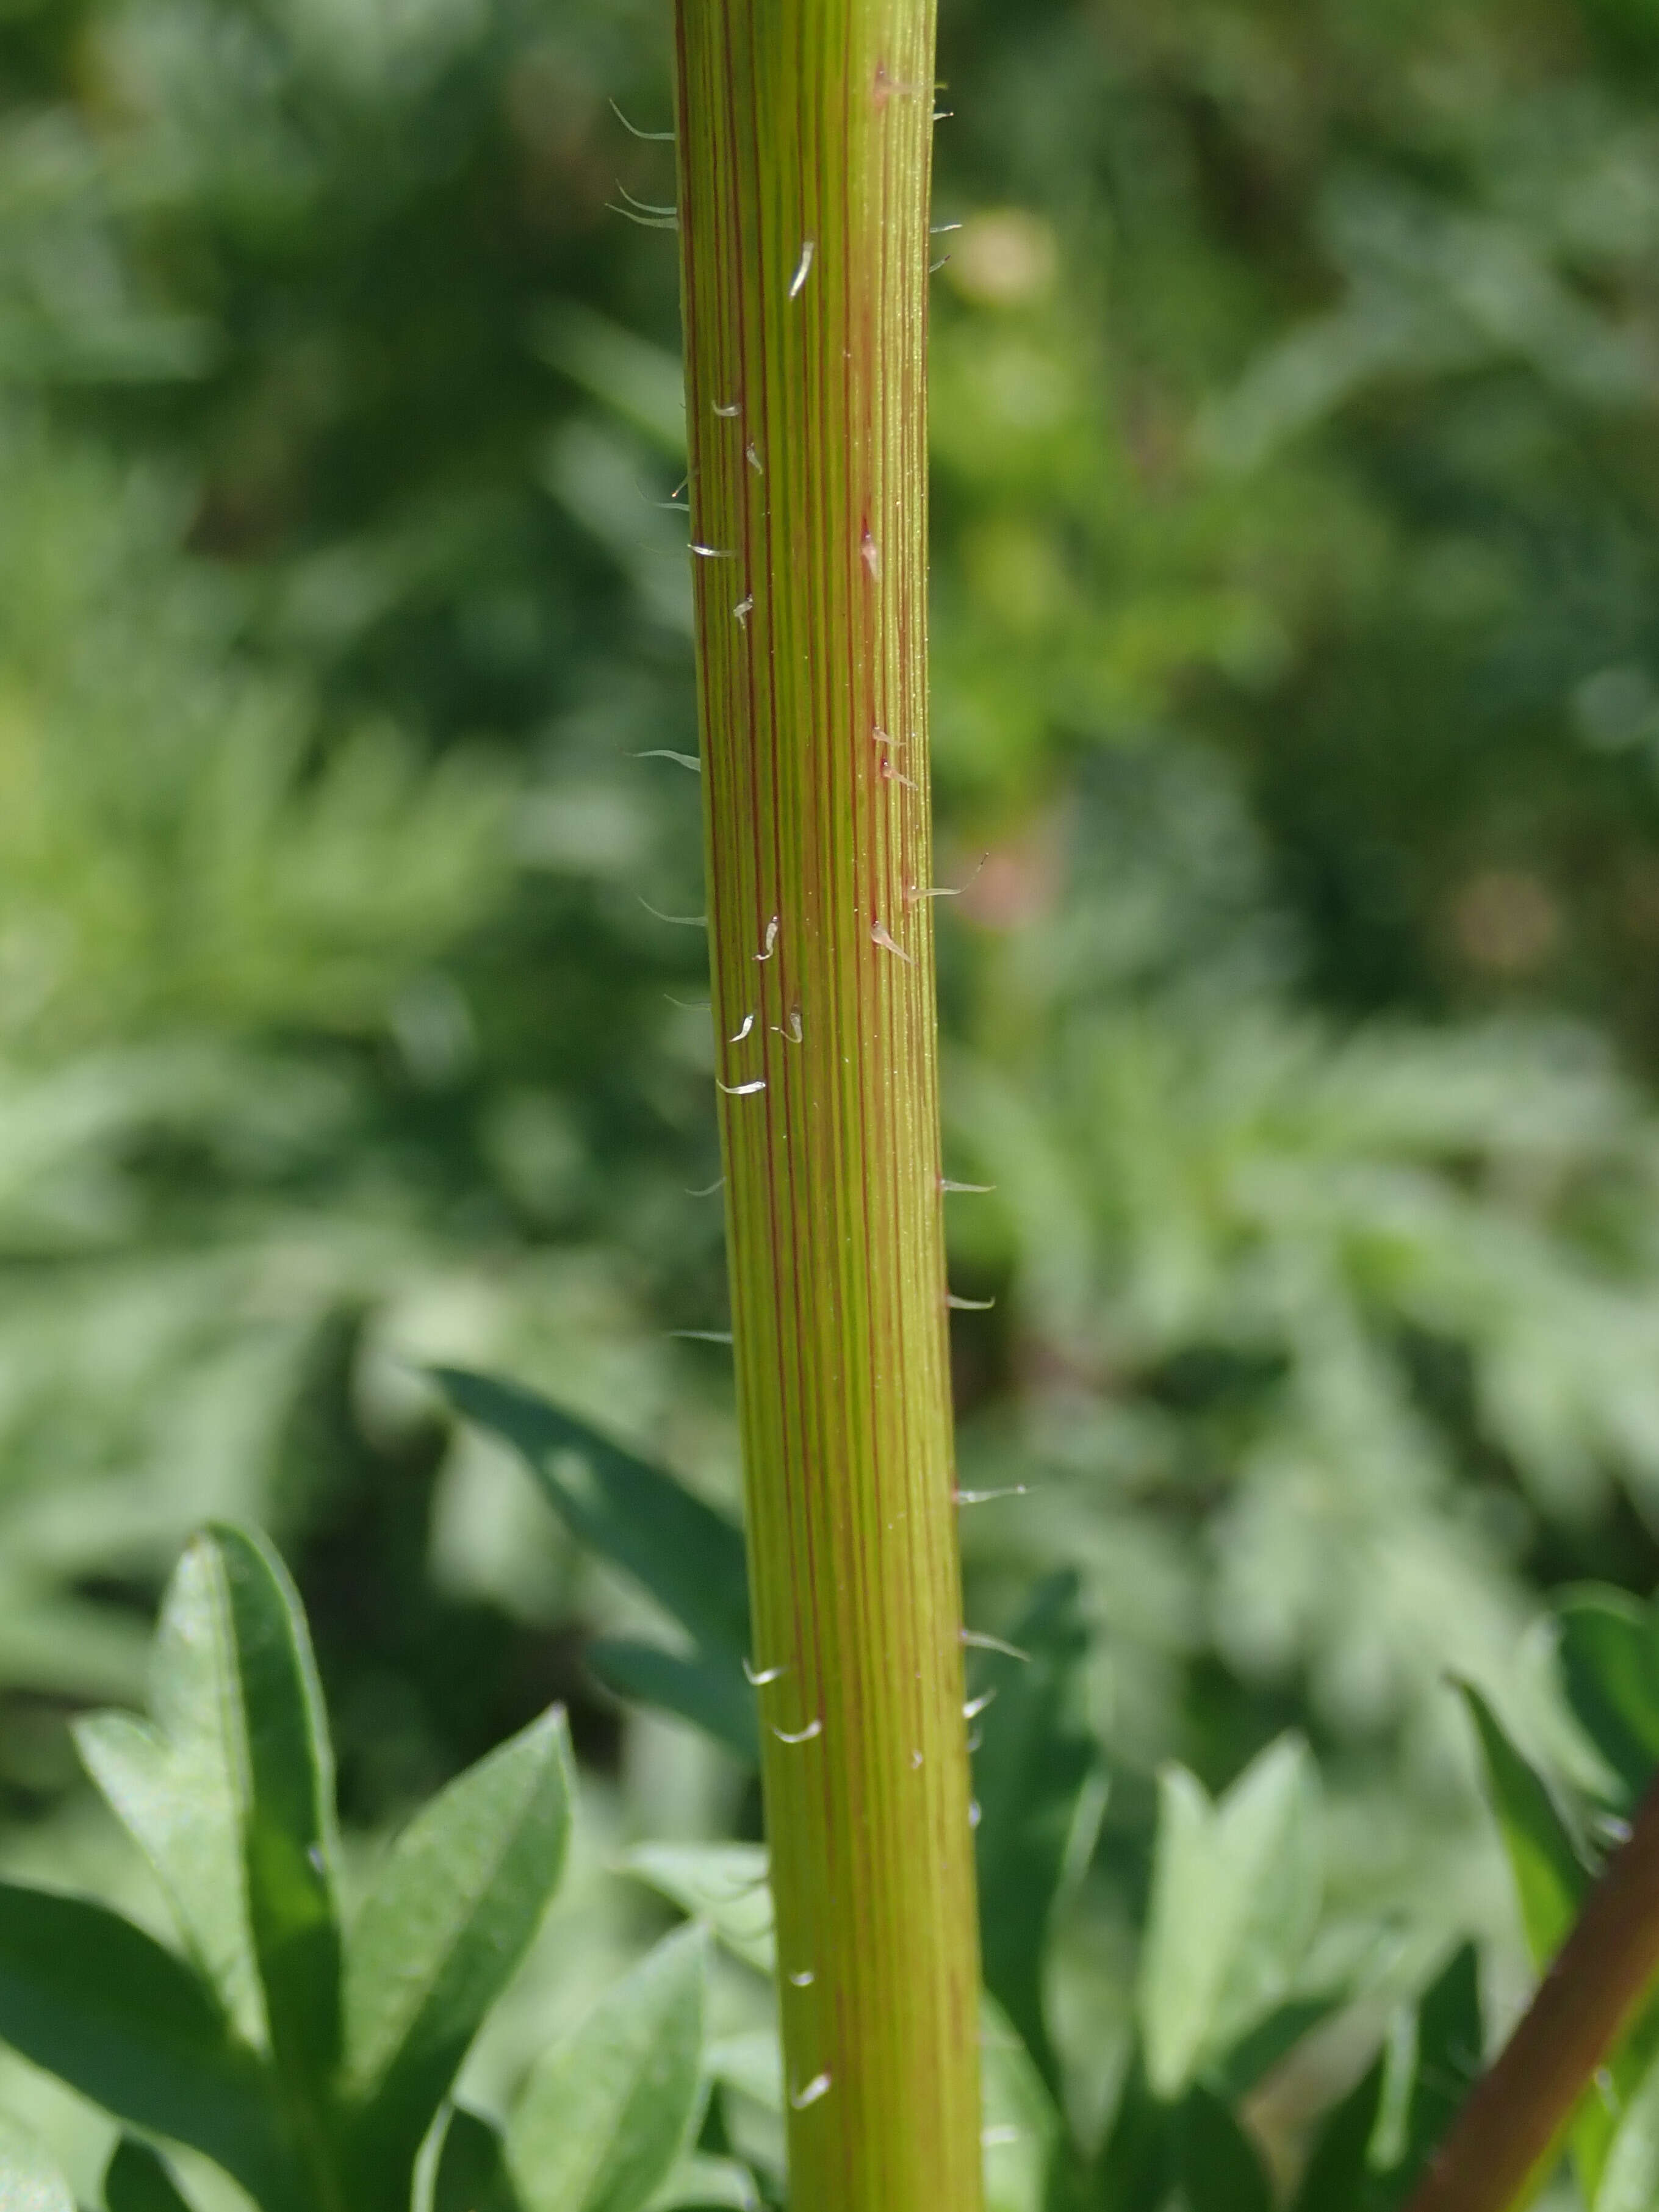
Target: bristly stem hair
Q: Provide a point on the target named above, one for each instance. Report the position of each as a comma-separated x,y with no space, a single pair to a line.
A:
805,131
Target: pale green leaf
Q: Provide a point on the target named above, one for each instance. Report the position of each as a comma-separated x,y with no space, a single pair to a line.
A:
460,1895
705,2182
1236,1889
29,2182
1629,2178
604,2117
1020,2124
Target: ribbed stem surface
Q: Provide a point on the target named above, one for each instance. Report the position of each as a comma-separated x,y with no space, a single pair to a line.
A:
805,129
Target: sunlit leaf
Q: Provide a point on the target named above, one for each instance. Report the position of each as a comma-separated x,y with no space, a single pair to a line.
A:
724,1884
1337,2175
29,2182
1236,1890
449,1918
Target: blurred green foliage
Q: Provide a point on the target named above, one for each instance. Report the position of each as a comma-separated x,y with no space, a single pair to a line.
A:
1297,677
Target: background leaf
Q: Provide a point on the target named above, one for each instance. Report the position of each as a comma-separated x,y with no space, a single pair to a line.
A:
686,1555
1608,1645
1551,1878
722,1884
173,1785
1236,1890
1338,2176
706,2183
1035,1756
604,2117
1220,2168
712,1694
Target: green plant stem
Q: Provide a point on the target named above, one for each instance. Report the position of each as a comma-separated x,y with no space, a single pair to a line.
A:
1497,2154
804,131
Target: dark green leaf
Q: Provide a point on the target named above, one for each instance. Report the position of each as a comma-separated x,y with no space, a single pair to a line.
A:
137,2180
711,1694
29,2182
689,1558
1220,2167
1135,2169
606,2116
1448,2060
94,2000
472,2175
1609,1648
285,1770
1238,2071
1337,2176
1034,1759
1550,1878
450,1918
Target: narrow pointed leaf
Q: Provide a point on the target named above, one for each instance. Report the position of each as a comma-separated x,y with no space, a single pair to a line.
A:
1237,2071
138,2179
1235,1894
472,2175
1450,2042
450,1918
686,1555
230,1795
1629,2179
1034,1759
1338,2177
1609,1658
604,2117
1220,2167
1134,2171
1551,1880
29,2182
1020,2123
709,1692
284,1769
701,2184
174,1785
91,1998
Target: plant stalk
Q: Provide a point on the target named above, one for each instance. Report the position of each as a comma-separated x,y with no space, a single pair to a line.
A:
1498,2152
804,133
